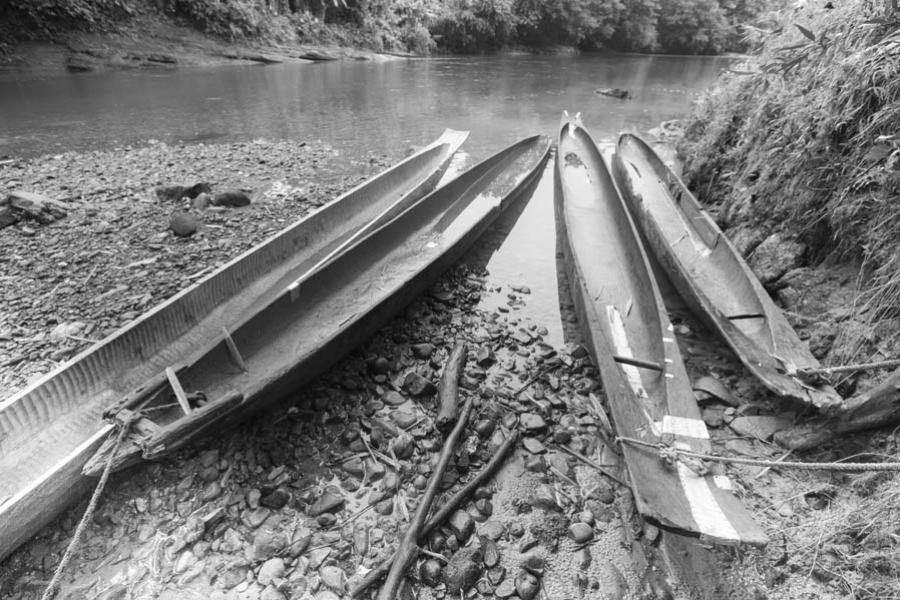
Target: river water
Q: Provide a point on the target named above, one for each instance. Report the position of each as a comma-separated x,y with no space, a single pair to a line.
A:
361,107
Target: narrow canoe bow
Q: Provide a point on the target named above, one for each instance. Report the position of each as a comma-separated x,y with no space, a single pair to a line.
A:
52,427
713,278
621,314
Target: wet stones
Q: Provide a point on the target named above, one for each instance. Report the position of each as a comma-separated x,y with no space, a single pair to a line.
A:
271,570
183,224
430,572
417,385
462,525
422,351
326,503
463,570
527,585
533,446
581,533
490,552
532,423
276,499
392,398
231,199
267,544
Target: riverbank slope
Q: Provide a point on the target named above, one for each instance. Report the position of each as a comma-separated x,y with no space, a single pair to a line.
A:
797,156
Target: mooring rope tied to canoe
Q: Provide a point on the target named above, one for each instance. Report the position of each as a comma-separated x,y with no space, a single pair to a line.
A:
50,592
829,466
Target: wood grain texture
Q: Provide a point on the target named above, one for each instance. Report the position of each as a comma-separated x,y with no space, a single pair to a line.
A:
711,275
621,313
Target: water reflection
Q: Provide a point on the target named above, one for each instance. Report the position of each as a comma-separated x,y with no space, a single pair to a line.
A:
356,106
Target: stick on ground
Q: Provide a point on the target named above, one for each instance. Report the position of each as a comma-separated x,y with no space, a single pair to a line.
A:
446,510
448,391
408,548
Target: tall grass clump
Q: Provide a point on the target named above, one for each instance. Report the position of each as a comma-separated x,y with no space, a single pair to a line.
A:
805,138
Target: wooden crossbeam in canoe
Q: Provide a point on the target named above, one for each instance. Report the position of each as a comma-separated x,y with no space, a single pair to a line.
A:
178,390
636,362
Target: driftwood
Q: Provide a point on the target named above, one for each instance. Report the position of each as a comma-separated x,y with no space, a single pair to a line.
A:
448,391
878,407
409,548
35,206
445,511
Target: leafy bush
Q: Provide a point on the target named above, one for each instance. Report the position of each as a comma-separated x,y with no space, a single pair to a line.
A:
805,135
475,25
224,18
42,19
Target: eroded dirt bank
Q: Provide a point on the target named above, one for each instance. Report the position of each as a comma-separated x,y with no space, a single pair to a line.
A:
299,502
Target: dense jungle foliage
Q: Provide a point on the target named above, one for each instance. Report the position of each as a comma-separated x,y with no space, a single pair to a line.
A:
423,26
805,137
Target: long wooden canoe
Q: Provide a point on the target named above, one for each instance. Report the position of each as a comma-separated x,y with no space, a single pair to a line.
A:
711,275
50,429
621,314
325,314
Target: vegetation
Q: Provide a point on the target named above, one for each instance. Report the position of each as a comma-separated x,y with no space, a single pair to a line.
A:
807,135
422,26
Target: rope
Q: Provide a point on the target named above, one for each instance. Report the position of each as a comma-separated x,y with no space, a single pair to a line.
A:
667,451
881,364
50,592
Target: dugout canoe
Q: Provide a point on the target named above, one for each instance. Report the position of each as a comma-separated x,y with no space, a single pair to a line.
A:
712,277
51,428
323,315
622,318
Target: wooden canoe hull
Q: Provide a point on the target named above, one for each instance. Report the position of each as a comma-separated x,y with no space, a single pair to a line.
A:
308,328
621,314
711,275
49,429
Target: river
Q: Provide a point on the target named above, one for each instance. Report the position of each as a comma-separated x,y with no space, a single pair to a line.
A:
355,106
360,107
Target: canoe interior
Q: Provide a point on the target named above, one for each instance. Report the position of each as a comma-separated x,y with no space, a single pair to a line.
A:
711,275
697,242
622,316
307,328
45,426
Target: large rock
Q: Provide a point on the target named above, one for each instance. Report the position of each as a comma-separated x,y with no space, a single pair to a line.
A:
463,570
183,223
231,199
775,256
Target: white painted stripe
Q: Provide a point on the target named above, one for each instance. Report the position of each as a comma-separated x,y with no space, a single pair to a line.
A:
708,515
681,426
668,340
723,482
620,340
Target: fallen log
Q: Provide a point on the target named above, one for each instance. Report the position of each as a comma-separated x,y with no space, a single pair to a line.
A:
40,208
878,407
408,548
446,510
448,390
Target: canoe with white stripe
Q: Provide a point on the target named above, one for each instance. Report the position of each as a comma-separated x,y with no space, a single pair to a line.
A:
49,429
621,315
712,277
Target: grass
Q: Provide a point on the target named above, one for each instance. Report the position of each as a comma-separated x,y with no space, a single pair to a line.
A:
806,135
803,138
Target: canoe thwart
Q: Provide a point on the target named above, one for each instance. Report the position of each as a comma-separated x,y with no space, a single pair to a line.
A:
143,394
746,316
636,362
233,351
178,390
